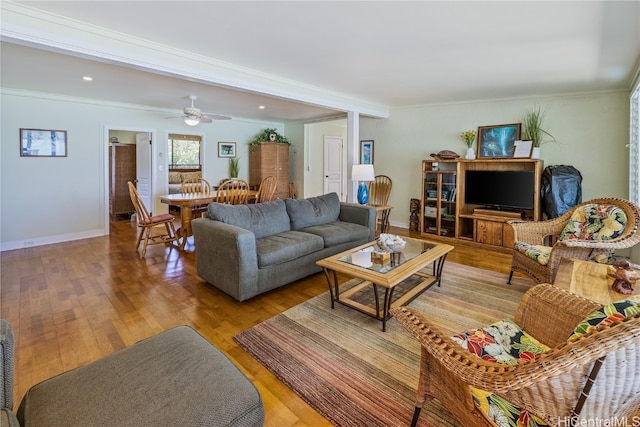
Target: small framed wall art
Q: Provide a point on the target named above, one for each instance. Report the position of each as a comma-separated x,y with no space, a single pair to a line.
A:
366,152
496,142
226,149
43,143
522,149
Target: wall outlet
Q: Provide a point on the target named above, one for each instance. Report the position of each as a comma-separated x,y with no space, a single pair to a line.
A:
29,243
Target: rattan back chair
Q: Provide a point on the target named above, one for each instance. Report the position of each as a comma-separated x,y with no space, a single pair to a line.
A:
551,386
545,234
158,229
233,191
379,190
267,189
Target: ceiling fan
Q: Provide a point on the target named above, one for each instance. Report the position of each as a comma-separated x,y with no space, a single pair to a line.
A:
192,115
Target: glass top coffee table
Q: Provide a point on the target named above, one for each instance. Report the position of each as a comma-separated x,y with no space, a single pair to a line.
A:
385,273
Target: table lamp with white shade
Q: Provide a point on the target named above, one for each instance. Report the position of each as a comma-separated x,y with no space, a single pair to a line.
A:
362,174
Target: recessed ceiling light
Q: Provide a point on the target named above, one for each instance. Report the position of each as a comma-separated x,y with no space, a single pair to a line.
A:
261,107
87,78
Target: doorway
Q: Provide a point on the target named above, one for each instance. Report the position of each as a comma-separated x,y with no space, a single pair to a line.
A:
129,158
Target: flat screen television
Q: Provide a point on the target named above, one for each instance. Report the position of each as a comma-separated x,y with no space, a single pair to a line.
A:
503,190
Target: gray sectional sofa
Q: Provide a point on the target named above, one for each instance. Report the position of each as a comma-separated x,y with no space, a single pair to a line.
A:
245,250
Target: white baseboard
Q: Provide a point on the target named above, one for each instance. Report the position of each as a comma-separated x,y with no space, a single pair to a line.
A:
39,241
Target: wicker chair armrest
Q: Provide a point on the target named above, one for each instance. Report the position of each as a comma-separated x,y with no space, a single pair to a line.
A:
536,232
550,314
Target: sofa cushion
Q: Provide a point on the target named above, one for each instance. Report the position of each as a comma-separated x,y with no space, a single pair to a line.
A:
175,178
286,246
313,211
338,232
263,219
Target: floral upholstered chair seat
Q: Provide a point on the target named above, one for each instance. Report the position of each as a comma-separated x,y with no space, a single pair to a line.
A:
505,342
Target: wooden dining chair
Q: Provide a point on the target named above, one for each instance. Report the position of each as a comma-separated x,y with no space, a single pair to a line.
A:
233,192
196,185
267,189
151,227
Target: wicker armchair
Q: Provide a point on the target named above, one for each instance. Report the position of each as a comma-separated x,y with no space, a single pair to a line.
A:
549,386
535,238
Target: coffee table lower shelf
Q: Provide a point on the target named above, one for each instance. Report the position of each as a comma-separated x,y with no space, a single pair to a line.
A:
381,312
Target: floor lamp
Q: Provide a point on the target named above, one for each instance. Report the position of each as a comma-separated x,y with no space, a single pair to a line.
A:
362,174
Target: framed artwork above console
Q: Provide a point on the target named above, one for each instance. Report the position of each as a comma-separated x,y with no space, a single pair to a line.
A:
497,142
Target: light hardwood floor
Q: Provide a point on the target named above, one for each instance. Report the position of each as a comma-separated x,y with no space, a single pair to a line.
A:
72,303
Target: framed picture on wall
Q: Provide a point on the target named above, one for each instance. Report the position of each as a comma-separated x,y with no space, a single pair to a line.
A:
43,143
366,152
496,142
226,149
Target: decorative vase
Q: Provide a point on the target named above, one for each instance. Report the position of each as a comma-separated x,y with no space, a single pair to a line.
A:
471,154
363,194
535,153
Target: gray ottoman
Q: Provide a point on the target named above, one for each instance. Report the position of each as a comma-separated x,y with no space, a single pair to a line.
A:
176,378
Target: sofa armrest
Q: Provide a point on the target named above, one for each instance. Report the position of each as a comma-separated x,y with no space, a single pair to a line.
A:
226,257
359,214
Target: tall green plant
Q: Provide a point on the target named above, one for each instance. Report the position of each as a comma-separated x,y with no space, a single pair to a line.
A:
533,127
234,167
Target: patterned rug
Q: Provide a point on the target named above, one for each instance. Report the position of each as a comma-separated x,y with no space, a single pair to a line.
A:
342,364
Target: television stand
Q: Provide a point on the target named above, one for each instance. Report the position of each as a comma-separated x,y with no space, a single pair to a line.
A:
496,212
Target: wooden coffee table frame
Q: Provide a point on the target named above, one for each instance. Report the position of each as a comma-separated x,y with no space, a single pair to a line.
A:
388,280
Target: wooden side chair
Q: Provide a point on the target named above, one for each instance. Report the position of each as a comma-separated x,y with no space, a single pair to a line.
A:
595,227
562,356
158,229
292,190
379,190
233,191
196,185
267,189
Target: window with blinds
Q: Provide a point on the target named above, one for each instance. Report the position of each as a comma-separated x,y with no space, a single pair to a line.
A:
184,152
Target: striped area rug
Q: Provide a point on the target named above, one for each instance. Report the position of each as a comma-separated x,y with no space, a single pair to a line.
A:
342,364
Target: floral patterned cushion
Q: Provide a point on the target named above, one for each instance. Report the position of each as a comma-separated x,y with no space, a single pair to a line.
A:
606,315
595,222
535,252
503,342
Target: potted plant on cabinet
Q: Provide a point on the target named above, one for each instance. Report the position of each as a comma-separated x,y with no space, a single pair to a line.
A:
269,135
533,129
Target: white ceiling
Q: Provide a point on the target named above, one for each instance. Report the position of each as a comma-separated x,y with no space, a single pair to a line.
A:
379,53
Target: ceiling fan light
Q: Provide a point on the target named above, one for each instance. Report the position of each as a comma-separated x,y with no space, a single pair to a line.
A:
191,121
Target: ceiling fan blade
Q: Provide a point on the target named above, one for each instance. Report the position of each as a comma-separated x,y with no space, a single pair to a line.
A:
205,119
215,117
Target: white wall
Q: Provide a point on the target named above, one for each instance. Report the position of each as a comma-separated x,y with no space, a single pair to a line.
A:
46,200
591,130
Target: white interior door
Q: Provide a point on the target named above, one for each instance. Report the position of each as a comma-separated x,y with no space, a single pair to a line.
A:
143,168
333,165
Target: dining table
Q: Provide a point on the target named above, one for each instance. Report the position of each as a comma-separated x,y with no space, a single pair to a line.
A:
186,201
